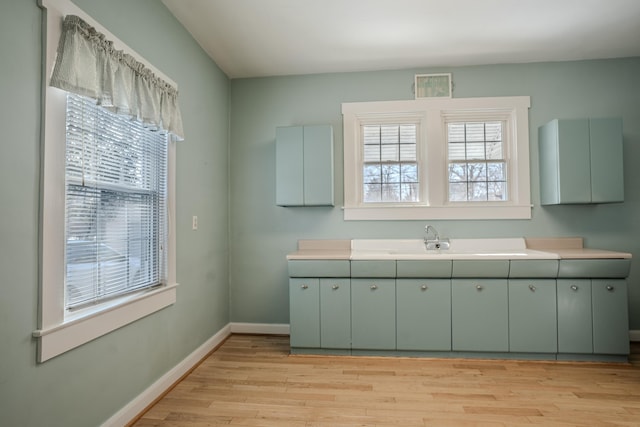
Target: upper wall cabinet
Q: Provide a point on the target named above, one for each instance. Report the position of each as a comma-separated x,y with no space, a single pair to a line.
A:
304,166
581,161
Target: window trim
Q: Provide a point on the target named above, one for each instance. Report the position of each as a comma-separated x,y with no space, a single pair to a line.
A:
433,114
57,331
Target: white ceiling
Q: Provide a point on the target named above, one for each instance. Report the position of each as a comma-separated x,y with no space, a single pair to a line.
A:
251,38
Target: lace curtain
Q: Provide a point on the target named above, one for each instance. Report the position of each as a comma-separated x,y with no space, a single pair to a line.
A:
87,64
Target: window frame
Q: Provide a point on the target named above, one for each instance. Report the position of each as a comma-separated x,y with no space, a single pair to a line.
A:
60,330
433,115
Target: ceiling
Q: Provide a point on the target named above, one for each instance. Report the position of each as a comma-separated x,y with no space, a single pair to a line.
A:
252,38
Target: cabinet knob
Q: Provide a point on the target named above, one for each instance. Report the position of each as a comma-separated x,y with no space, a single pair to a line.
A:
424,287
479,287
532,288
574,288
374,287
305,286
334,287
610,288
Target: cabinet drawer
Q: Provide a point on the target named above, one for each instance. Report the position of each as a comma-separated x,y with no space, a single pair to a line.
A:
318,268
594,268
437,269
484,268
382,268
534,268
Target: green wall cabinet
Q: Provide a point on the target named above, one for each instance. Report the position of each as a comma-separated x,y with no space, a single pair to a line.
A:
423,314
480,315
532,316
575,319
335,313
373,314
304,166
304,312
581,161
610,316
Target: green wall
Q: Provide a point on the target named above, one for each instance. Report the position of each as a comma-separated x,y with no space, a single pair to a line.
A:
262,233
87,385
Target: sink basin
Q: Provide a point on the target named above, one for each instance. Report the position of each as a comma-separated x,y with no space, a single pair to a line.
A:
414,249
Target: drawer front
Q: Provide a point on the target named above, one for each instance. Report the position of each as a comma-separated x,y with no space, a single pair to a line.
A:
419,269
594,268
484,268
382,268
318,268
533,268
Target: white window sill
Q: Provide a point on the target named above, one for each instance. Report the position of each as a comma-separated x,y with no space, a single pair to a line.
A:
91,323
465,212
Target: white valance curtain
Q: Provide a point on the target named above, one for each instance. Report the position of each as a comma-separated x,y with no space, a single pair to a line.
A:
87,64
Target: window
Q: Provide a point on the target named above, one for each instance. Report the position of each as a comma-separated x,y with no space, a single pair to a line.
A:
437,159
108,193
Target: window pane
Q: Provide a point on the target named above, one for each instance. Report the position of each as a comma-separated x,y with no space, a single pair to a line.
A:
390,192
475,150
409,192
408,153
476,171
477,191
372,193
409,173
371,134
391,173
372,174
497,191
390,152
456,151
455,132
458,192
371,153
495,171
457,172
475,132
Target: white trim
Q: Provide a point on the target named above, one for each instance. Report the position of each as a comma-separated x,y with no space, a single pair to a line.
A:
634,335
134,408
260,328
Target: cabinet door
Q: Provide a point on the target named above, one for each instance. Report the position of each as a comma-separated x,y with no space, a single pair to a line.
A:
607,182
480,315
318,165
533,316
373,314
423,310
575,330
304,312
610,316
289,166
335,313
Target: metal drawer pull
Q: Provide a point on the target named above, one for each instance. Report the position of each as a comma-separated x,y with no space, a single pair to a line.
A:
574,288
610,288
532,288
374,287
424,287
305,286
334,287
479,287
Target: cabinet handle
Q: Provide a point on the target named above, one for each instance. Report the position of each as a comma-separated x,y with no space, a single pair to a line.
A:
574,288
305,286
374,287
610,288
479,287
334,287
424,287
532,288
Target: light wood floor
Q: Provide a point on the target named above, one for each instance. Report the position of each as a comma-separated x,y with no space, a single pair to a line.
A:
252,381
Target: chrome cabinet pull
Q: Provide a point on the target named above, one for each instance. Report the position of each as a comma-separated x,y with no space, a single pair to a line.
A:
574,288
305,286
334,287
532,288
479,287
610,288
374,287
424,287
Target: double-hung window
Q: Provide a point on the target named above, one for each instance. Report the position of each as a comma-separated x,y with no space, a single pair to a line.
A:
437,159
108,184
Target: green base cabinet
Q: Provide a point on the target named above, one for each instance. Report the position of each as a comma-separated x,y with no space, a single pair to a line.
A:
532,316
575,330
335,313
373,314
610,316
423,314
304,312
480,315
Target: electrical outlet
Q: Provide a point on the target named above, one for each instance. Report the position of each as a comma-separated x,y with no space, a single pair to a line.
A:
194,223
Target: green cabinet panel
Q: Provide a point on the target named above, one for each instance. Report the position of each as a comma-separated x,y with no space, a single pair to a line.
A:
304,312
481,268
575,330
594,268
335,313
304,166
532,316
318,268
532,268
424,269
610,316
581,161
373,314
381,268
423,314
480,315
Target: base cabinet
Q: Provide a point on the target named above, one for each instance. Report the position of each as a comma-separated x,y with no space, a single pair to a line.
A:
304,312
480,315
575,331
373,314
610,316
533,316
423,314
335,313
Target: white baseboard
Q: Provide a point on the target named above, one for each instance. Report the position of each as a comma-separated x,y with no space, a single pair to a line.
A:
634,335
147,397
260,328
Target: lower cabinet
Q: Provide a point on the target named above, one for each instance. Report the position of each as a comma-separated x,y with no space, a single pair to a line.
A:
610,316
304,312
480,315
335,313
423,314
533,316
373,314
575,330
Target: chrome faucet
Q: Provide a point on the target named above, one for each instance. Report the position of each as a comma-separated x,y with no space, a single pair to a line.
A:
434,243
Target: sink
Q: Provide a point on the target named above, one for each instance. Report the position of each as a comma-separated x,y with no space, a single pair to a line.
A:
414,249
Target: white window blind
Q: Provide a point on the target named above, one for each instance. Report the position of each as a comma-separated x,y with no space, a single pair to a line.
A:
115,214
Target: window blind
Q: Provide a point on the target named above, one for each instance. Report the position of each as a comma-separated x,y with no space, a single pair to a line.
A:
115,204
